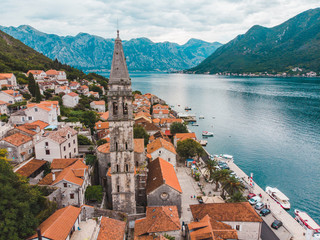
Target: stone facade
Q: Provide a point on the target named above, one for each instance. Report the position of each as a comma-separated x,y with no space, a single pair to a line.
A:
121,133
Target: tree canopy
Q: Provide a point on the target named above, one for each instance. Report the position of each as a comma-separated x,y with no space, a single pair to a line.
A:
140,132
83,140
178,128
94,193
189,148
22,206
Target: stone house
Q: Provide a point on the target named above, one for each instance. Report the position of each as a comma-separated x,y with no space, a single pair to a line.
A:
84,90
208,228
94,94
46,86
158,221
163,187
56,75
62,143
150,128
165,123
139,152
60,225
103,156
8,79
70,99
43,112
240,216
62,89
3,107
102,129
159,107
37,74
33,170
74,86
72,180
19,147
10,96
163,149
159,134
183,136
99,106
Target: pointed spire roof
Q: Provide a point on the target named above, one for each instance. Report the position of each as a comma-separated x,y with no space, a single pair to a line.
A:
119,68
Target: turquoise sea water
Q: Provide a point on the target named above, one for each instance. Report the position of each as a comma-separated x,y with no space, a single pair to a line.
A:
270,125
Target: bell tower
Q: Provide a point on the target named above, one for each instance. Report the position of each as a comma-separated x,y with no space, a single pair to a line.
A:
121,133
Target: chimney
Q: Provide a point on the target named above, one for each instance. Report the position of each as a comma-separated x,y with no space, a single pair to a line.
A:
53,177
39,234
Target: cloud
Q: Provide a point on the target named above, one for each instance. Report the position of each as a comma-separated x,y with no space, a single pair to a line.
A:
166,20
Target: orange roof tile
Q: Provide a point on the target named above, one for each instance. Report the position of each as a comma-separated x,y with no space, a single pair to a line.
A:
158,219
12,92
52,72
61,163
47,180
104,148
60,135
59,224
233,212
73,94
101,125
158,143
17,139
170,120
158,111
139,145
99,102
3,103
30,167
27,128
160,106
184,136
141,114
159,134
161,172
111,229
104,116
35,72
5,75
156,120
40,123
84,87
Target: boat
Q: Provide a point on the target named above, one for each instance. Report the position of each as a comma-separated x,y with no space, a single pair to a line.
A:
187,108
203,142
201,117
226,156
306,221
279,197
207,134
195,124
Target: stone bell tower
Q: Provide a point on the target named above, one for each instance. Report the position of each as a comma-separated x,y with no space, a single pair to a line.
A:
121,133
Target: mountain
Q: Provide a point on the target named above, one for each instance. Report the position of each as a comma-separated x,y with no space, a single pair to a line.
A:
17,57
294,43
87,51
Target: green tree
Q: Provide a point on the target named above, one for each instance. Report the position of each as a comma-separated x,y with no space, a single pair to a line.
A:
90,159
177,127
37,93
31,85
83,140
101,141
219,176
22,206
237,197
140,132
94,193
231,185
211,167
189,148
96,88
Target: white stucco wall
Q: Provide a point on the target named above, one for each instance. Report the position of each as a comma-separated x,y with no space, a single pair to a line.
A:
166,155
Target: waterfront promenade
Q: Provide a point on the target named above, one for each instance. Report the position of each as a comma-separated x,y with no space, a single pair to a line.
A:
295,229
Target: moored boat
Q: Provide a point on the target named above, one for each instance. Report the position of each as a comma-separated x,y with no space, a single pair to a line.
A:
201,117
187,108
305,220
207,134
279,197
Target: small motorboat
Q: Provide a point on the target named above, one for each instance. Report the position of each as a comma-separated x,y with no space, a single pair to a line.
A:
187,108
195,125
201,117
207,134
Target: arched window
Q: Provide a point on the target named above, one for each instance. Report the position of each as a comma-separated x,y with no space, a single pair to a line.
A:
116,146
115,108
118,188
117,168
127,168
126,146
125,108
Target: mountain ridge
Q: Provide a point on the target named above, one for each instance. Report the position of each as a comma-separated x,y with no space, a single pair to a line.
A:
86,51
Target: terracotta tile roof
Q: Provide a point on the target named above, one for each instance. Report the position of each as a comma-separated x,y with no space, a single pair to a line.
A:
101,125
158,111
35,72
138,145
184,136
99,102
149,126
142,120
158,219
141,114
60,135
17,139
12,93
156,120
84,87
40,123
160,106
73,84
59,224
73,94
158,143
104,148
39,105
148,95
161,172
111,229
61,163
30,167
233,212
52,72
3,103
207,228
5,75
159,134
29,129
47,180
104,116
69,174
170,120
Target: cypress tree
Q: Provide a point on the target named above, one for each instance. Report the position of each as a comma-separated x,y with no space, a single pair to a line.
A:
37,93
31,85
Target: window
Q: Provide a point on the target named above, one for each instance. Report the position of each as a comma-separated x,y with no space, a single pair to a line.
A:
47,144
69,144
65,156
30,118
127,168
116,146
36,109
168,159
115,108
74,141
238,227
65,185
71,195
117,168
64,148
30,151
118,188
126,146
69,155
125,108
74,150
47,152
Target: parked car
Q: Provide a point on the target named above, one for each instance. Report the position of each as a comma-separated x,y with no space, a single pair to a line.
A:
259,205
254,200
200,200
251,195
265,211
276,224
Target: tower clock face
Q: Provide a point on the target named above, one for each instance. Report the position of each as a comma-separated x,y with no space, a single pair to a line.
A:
164,196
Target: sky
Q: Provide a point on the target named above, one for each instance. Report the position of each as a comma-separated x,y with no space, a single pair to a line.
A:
160,20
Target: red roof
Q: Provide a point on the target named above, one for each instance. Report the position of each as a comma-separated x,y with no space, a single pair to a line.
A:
111,229
73,94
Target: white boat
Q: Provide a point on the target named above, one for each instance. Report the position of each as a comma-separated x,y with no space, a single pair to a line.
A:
187,108
207,134
195,124
279,197
201,117
305,220
227,156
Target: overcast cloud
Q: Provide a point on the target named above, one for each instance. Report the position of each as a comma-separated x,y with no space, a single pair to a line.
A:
161,20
